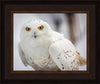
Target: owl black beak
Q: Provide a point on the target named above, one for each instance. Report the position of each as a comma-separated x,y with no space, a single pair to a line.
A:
35,35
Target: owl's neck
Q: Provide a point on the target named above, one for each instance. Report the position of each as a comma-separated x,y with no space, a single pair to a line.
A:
45,40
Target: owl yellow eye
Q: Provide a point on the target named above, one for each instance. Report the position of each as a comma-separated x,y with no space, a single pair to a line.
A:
40,27
28,29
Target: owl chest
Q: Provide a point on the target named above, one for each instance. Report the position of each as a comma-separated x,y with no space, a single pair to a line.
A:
39,55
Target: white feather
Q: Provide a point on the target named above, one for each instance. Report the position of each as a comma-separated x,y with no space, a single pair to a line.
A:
42,52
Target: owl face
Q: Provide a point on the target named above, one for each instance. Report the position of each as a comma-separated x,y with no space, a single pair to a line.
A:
35,29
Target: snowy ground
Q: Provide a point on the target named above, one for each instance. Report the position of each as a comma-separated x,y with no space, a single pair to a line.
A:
21,18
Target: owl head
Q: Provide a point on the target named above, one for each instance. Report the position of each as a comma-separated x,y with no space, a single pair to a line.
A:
35,28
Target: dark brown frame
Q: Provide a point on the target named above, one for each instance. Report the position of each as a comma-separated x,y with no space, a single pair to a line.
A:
44,72
26,77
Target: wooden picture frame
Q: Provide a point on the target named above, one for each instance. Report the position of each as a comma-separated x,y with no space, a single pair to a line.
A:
7,40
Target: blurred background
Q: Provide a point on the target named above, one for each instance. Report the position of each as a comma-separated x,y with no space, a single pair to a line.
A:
72,25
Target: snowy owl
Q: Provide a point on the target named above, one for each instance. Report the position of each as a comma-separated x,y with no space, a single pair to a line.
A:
46,50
